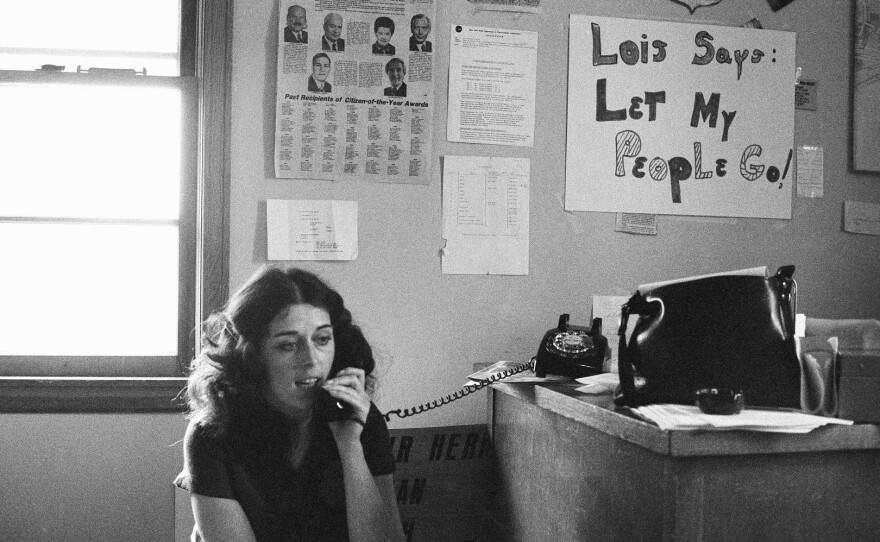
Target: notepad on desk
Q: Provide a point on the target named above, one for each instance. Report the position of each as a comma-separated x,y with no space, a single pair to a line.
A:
509,372
689,418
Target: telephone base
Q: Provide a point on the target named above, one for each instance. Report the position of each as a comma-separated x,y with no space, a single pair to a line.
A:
572,370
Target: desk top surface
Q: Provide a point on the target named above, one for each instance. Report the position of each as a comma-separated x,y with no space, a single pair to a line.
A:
599,412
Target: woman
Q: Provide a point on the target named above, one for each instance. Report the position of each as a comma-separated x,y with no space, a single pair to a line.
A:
260,460
383,27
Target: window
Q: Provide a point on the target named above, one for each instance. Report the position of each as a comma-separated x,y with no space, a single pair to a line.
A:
112,188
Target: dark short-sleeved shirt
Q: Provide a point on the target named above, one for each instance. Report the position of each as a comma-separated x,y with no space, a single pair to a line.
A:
280,502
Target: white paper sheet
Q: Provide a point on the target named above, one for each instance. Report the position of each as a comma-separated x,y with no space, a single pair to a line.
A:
681,417
607,307
492,73
810,172
599,384
861,217
486,215
517,6
312,229
637,223
806,95
493,372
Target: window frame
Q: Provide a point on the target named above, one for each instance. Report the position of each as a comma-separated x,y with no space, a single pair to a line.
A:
26,386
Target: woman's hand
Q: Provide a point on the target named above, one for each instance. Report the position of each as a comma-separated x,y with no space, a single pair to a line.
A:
348,385
371,505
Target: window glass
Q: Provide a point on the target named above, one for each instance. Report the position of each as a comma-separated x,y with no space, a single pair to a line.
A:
112,189
91,182
90,151
91,33
88,289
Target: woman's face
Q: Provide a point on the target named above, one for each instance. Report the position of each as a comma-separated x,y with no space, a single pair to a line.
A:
298,351
383,35
321,68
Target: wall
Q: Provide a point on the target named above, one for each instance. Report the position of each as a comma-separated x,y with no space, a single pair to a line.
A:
95,477
431,328
108,477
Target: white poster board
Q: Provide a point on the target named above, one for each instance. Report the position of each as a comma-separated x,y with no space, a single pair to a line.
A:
680,119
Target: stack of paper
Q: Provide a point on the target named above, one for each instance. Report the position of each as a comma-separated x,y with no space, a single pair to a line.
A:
680,417
495,372
599,384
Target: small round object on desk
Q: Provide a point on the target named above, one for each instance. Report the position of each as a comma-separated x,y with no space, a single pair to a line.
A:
723,401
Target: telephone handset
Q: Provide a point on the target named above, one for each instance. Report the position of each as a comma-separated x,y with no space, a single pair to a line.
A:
330,409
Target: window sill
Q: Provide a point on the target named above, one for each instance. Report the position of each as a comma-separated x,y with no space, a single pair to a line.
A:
20,394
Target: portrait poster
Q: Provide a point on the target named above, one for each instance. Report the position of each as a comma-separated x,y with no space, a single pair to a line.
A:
355,90
679,119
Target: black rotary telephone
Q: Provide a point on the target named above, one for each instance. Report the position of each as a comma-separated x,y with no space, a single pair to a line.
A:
573,351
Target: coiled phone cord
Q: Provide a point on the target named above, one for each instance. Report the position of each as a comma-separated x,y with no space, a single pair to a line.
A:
465,391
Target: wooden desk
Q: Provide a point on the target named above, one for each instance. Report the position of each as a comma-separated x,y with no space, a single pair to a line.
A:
570,467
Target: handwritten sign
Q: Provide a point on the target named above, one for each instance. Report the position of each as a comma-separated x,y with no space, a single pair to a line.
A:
679,118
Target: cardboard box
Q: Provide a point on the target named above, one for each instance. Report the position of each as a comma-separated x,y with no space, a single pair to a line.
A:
859,389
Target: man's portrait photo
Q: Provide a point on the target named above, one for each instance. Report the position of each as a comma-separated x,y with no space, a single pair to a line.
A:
332,40
420,25
320,71
395,69
295,31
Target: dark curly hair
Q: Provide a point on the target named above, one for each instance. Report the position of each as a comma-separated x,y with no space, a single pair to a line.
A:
227,382
383,22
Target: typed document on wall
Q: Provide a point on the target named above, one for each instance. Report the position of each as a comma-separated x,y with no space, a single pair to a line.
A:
492,74
486,215
312,229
